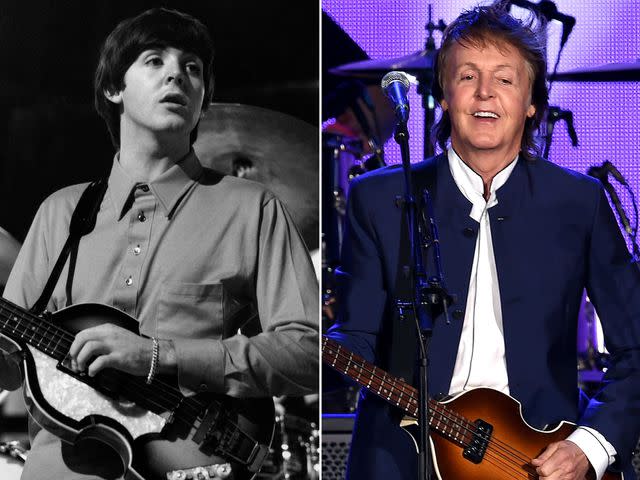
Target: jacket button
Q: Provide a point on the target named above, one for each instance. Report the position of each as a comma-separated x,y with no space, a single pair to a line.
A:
458,314
469,232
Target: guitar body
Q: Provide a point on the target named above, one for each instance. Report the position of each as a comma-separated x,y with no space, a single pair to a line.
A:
504,414
150,438
477,435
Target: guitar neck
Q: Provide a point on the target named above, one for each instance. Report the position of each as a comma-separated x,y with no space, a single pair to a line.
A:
20,324
392,389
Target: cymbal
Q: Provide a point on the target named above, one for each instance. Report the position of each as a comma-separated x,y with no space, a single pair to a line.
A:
276,149
612,72
414,64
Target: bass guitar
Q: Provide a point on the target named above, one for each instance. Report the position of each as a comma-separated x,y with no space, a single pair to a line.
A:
477,435
156,431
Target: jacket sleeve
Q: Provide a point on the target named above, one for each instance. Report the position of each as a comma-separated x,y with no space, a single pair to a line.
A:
614,287
361,289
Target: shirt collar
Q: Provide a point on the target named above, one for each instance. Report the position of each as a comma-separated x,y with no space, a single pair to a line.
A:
169,188
470,183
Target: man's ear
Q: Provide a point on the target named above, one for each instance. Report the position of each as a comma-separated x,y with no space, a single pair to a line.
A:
444,105
115,97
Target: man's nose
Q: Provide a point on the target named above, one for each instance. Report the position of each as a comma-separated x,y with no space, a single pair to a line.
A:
175,73
485,88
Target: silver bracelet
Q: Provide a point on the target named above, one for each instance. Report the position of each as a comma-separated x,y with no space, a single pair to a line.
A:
153,368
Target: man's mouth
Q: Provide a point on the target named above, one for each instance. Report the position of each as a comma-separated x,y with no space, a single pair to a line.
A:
485,114
176,98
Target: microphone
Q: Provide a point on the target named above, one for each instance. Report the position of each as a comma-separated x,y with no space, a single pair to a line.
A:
548,10
609,167
602,174
395,85
555,114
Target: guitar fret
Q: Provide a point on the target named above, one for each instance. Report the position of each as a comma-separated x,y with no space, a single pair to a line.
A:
346,368
401,392
336,358
437,426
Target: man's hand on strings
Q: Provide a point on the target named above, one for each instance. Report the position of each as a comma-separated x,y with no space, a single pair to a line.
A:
110,346
563,461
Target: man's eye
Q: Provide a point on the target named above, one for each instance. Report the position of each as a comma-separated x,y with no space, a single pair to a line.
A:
467,77
154,61
193,68
505,81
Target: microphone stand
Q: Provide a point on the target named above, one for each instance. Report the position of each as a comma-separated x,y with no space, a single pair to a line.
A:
425,293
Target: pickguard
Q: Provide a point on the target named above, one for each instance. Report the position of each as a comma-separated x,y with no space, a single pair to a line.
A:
77,400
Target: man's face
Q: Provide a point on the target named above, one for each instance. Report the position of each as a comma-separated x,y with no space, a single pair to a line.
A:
487,92
163,92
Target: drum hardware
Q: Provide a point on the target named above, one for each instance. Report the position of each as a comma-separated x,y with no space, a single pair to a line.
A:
12,458
220,471
610,72
294,454
419,64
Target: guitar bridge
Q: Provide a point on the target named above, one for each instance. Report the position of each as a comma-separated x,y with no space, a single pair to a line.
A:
480,438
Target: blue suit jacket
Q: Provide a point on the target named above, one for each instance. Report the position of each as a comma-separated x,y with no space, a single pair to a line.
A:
553,235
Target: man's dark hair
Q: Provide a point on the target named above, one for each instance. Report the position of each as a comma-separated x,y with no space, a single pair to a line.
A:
155,28
494,25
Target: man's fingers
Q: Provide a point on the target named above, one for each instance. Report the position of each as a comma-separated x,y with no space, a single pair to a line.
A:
103,361
90,349
544,456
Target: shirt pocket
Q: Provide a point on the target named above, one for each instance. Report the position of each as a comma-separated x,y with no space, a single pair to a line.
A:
191,310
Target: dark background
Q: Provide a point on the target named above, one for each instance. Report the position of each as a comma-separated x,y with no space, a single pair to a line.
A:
50,136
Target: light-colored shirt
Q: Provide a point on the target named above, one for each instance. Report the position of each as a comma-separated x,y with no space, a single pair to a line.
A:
192,255
481,361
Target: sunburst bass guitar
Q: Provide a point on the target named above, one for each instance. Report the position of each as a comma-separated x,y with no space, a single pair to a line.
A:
477,435
156,431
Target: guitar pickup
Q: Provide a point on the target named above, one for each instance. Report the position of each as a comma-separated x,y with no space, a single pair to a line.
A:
481,436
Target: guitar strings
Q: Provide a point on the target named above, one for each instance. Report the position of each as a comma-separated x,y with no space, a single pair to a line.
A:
445,413
63,343
64,340
140,391
457,420
448,414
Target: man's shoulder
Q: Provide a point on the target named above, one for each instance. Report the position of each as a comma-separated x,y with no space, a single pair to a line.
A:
394,174
231,188
561,177
64,198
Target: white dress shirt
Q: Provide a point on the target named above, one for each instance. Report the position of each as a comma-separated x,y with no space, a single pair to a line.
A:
481,360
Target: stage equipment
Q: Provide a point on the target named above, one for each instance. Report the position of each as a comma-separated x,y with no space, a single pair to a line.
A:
269,147
611,72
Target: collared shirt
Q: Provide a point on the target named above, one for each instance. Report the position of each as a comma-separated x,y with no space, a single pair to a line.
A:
193,255
481,360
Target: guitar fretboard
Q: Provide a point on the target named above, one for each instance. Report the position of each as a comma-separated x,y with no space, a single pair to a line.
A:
395,391
19,324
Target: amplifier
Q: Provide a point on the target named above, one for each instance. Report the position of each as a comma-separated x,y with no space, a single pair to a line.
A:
336,440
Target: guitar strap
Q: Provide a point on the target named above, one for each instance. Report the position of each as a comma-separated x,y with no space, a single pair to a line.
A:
83,221
402,361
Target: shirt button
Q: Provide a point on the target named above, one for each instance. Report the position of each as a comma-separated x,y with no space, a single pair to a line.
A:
129,281
137,250
141,216
144,188
203,387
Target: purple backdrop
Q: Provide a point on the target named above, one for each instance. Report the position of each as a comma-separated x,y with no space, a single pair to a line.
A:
606,115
